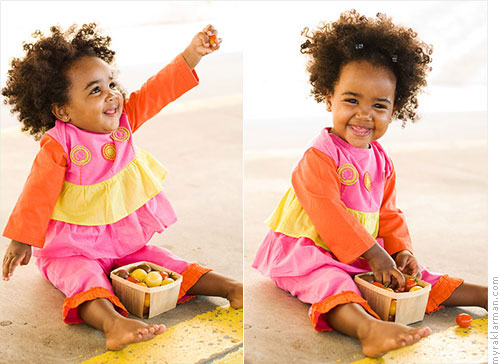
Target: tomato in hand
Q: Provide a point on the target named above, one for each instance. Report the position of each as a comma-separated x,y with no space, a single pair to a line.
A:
409,284
464,320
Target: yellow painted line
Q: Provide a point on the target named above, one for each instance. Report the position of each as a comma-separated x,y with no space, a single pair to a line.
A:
454,345
196,340
235,357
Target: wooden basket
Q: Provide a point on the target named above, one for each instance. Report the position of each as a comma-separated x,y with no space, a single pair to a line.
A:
410,306
133,295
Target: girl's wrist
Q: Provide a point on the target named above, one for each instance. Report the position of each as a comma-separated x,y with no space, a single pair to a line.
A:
191,57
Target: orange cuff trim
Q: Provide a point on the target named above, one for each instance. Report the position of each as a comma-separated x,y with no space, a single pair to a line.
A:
190,276
441,291
70,307
323,307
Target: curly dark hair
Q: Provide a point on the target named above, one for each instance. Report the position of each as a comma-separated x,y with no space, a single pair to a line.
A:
39,80
354,37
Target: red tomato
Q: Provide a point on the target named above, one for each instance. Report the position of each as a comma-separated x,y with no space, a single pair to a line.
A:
409,284
164,275
464,320
133,279
212,39
378,284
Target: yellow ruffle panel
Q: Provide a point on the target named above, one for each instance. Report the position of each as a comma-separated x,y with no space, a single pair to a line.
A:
289,218
111,200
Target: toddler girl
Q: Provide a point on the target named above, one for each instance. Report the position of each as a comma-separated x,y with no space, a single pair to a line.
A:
93,199
340,218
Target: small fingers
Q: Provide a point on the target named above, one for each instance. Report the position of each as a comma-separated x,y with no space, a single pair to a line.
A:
14,262
402,263
5,267
400,279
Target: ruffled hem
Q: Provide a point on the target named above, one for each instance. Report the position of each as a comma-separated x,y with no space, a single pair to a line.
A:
190,276
109,241
291,219
319,310
113,199
441,291
70,308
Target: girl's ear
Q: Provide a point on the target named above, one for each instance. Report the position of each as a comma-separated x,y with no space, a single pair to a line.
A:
328,101
59,111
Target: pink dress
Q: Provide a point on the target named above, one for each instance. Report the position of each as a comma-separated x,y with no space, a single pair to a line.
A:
93,201
341,203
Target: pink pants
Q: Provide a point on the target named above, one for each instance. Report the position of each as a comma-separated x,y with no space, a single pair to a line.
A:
83,279
311,273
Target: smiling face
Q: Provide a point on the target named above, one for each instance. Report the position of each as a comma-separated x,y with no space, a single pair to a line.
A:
362,103
95,103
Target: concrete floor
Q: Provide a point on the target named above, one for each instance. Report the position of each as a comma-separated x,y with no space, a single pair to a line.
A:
199,140
442,188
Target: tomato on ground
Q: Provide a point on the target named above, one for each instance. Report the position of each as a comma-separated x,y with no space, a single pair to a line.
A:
464,320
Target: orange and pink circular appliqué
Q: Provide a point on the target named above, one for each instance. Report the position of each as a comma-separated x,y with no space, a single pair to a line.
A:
108,151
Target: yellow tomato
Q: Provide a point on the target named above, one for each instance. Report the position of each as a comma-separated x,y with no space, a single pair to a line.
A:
392,310
147,300
139,273
416,288
167,281
153,279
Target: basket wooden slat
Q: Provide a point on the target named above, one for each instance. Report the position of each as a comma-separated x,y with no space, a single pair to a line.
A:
410,306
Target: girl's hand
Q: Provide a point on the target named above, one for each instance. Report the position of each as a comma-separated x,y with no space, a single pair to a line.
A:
408,264
201,45
17,253
384,268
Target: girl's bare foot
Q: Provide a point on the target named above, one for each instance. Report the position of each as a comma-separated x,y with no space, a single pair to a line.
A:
378,337
123,332
235,295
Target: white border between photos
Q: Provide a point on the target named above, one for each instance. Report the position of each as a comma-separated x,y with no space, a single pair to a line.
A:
493,191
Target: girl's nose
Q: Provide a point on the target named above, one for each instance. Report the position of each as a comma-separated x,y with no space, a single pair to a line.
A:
111,96
364,116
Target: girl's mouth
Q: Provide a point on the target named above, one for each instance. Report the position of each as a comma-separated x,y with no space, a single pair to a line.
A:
360,131
111,112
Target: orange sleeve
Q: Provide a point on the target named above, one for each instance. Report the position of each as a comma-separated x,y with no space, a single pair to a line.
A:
166,86
317,186
392,224
31,215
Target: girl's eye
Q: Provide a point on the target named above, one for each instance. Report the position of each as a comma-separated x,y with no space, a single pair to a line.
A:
351,101
380,106
95,90
112,85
